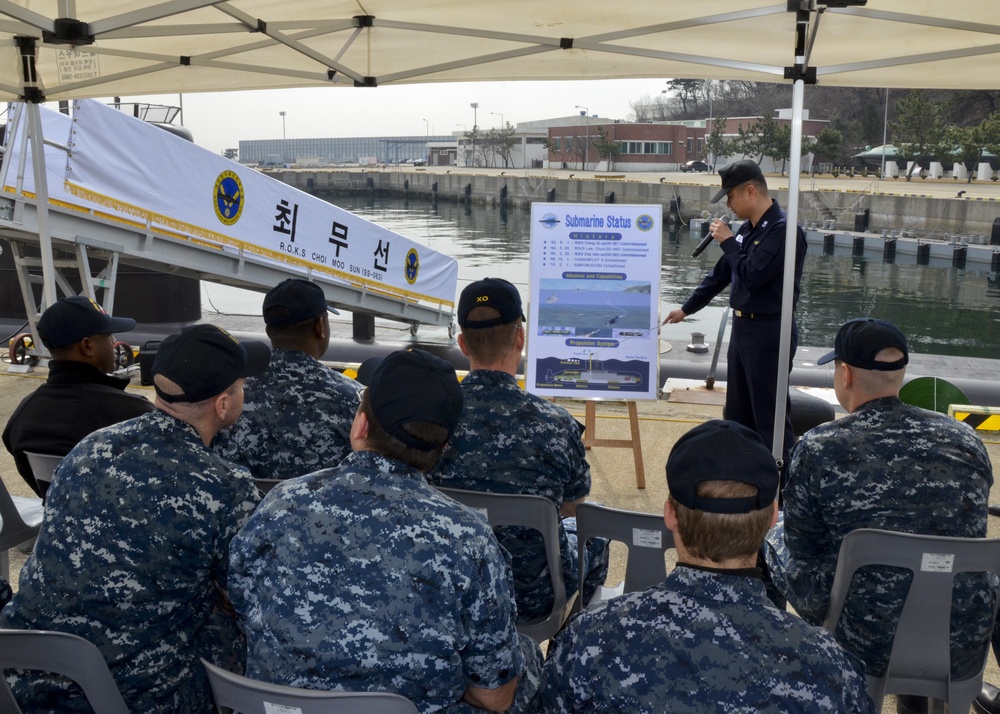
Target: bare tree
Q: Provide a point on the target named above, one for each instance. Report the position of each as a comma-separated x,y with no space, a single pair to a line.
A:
607,148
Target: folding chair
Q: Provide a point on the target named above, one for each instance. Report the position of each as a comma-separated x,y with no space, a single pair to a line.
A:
248,696
539,513
920,661
42,466
645,535
20,520
64,654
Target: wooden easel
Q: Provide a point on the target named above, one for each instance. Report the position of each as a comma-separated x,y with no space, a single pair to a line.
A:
590,439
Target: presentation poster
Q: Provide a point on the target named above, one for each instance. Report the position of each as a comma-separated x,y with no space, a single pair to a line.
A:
594,312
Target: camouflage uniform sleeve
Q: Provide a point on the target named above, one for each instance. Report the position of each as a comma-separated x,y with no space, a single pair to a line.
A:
557,688
811,560
493,654
231,520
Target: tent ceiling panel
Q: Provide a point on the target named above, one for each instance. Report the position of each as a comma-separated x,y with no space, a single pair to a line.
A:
148,47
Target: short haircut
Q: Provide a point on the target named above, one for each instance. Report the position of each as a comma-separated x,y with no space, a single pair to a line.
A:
875,381
381,441
759,183
490,344
723,536
188,410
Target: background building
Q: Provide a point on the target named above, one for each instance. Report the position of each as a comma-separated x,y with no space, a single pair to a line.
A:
349,150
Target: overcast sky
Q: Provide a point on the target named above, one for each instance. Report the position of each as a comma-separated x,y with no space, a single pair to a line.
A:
219,121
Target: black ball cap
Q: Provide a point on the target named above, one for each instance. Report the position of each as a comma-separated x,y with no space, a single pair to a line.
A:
205,360
736,174
415,386
859,340
721,451
71,319
497,293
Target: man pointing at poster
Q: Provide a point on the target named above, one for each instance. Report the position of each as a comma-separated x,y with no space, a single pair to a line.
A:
752,265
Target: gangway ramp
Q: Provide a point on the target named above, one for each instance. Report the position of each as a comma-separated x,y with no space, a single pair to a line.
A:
129,193
93,236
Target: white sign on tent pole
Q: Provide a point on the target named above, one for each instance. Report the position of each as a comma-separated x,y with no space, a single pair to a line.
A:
594,316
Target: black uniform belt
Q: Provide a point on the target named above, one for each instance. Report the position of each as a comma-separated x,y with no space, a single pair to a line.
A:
757,315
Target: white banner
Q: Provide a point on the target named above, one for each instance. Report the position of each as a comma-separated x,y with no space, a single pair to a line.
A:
595,285
133,168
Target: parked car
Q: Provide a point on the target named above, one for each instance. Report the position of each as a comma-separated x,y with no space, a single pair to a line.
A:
694,166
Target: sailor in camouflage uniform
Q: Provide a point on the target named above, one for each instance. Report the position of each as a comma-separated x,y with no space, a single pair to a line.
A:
366,578
509,441
886,465
707,639
297,415
133,552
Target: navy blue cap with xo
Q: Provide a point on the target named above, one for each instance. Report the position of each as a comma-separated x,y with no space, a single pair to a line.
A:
205,360
859,340
415,386
721,451
71,319
736,174
292,301
497,293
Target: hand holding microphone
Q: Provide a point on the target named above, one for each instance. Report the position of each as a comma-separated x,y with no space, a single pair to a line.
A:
714,228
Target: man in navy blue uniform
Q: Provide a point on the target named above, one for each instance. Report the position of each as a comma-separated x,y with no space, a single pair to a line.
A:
297,414
752,265
80,395
706,639
510,441
364,577
133,554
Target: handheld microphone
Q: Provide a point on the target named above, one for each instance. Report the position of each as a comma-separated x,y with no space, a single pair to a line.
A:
707,239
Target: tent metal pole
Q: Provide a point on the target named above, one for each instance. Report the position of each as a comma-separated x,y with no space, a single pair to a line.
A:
42,202
788,288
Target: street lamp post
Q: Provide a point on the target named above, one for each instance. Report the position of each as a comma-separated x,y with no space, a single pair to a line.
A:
500,114
427,146
586,147
475,124
284,138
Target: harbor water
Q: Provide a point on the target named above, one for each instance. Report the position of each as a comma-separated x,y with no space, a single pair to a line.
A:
942,309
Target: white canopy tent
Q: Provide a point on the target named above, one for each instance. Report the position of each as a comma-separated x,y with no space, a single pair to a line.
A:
61,49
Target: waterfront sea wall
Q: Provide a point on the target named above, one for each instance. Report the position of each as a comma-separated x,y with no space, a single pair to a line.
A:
921,215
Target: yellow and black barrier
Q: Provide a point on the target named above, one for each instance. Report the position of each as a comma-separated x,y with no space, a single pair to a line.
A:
979,418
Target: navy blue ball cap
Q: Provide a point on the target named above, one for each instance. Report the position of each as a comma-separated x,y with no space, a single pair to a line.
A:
736,174
71,319
859,340
497,293
721,451
205,360
367,368
292,301
415,386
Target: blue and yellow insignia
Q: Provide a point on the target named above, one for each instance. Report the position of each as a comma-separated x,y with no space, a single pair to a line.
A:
644,222
412,266
228,197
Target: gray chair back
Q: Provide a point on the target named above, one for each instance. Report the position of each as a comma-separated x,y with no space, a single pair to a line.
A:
539,513
42,465
920,662
21,518
64,654
645,535
248,696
